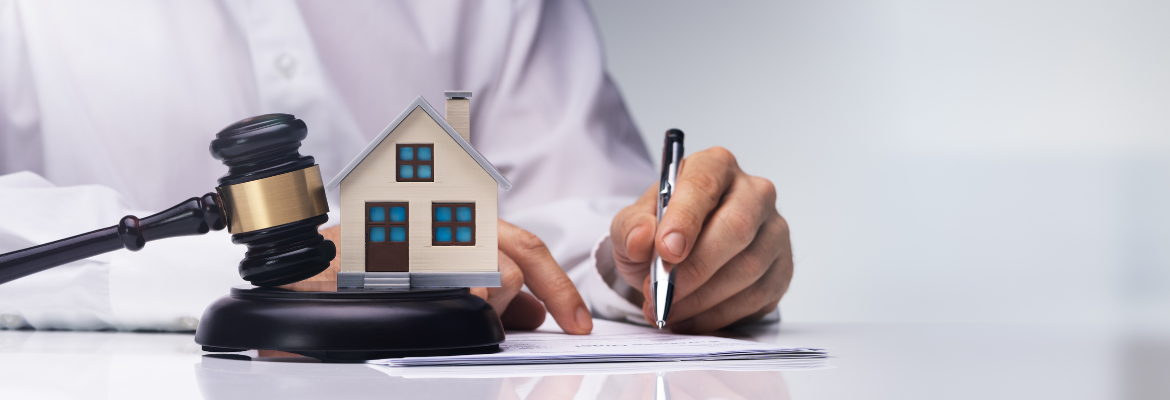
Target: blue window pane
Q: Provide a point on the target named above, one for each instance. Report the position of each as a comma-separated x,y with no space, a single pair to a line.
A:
406,153
463,214
397,233
397,214
424,172
443,234
377,234
424,153
443,214
406,171
377,214
463,234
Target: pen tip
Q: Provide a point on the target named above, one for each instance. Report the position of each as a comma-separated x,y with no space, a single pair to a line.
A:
661,323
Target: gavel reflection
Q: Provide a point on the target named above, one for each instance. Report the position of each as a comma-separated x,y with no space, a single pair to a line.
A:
272,200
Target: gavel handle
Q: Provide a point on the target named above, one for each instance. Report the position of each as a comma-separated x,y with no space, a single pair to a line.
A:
195,216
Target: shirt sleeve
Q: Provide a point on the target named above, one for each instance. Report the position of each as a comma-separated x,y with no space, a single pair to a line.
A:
554,123
165,286
20,135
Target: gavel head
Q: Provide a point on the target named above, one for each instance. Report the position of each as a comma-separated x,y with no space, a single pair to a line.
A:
273,199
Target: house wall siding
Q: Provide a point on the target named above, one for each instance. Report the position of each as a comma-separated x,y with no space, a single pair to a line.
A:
458,178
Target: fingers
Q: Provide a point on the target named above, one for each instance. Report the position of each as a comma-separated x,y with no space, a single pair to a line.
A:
748,204
525,313
545,278
632,235
511,279
746,268
703,179
517,310
749,305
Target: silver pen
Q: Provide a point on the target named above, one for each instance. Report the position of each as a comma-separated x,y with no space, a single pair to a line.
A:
662,282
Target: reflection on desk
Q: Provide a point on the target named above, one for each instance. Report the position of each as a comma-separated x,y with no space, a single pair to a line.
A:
228,376
870,361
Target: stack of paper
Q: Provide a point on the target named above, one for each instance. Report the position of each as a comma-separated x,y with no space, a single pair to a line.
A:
507,371
555,348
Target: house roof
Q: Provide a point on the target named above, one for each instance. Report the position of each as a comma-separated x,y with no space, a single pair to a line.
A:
421,102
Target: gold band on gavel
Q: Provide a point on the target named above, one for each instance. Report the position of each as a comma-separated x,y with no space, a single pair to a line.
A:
275,200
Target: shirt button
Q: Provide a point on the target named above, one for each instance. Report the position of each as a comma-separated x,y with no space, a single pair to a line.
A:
287,65
11,321
189,322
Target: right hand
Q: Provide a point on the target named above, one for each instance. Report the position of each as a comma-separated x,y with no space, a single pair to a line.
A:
723,233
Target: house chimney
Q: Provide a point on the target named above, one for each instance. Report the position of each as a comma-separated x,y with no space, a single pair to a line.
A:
459,113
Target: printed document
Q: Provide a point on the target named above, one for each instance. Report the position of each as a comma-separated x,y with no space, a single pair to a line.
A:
615,344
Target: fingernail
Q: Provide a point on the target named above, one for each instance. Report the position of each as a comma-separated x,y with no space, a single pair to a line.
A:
675,244
683,327
630,237
584,320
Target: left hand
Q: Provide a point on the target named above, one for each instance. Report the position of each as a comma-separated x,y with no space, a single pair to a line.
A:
525,260
722,232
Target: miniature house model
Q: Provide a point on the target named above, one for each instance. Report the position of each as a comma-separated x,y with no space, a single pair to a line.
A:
418,205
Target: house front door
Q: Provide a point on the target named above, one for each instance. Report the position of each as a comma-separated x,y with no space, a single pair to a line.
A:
386,233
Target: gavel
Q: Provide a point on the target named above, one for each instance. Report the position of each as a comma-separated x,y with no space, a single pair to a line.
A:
272,200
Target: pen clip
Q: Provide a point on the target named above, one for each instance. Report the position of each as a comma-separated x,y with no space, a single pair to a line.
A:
671,172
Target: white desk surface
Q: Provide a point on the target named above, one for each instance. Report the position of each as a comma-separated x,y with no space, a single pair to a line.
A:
869,361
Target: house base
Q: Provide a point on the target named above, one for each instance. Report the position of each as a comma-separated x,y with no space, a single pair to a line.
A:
416,280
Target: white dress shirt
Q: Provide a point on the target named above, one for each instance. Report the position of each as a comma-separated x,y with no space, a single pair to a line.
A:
111,106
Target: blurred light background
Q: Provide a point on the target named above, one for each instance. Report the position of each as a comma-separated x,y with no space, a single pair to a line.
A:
960,161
